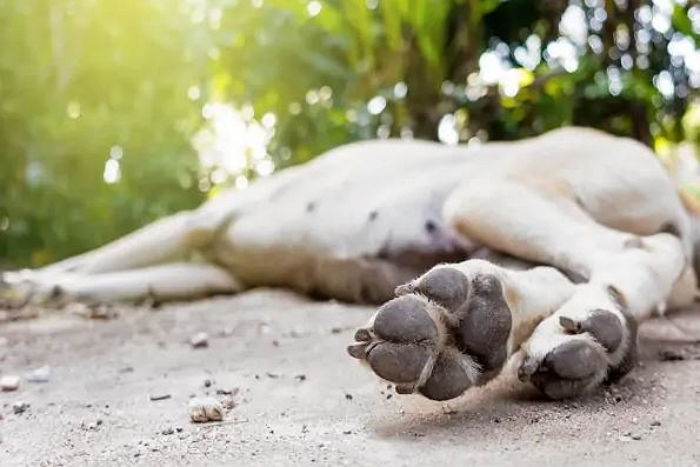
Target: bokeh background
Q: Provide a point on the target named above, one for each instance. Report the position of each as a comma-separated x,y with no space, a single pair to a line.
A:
116,112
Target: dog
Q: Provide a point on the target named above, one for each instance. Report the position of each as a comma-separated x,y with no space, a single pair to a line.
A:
548,251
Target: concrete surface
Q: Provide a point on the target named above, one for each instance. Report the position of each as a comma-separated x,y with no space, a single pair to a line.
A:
299,400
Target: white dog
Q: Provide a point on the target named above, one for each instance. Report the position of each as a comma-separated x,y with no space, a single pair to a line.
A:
600,234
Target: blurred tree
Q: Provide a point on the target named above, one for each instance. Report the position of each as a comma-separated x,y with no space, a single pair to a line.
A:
113,113
94,121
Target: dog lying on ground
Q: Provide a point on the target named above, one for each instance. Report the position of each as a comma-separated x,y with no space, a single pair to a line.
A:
550,249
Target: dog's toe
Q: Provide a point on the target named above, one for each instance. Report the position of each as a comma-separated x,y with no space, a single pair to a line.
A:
405,319
398,363
568,370
445,286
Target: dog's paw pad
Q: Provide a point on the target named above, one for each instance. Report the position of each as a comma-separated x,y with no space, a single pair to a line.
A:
398,363
567,370
603,325
404,319
445,286
486,325
448,380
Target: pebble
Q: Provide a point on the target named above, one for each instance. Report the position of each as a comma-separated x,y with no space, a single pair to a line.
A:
205,409
19,407
159,397
228,403
40,375
9,383
670,355
168,431
199,340
656,423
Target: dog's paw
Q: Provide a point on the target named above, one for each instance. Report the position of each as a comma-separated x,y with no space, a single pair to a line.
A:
567,357
444,333
30,287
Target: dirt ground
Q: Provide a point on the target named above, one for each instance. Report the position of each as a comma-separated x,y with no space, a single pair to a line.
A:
298,399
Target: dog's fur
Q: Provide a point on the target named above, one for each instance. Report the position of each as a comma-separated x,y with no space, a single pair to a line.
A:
364,218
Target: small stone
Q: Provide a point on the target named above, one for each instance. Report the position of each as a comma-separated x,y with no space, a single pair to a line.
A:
19,407
207,383
348,397
655,423
9,383
636,437
300,377
226,332
167,431
228,403
159,397
671,355
205,409
40,375
92,311
199,340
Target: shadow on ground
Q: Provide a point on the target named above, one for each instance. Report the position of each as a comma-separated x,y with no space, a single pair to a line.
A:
280,361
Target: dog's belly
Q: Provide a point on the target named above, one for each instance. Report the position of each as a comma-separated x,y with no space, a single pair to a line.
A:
349,234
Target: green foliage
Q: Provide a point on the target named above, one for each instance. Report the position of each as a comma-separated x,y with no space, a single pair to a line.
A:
97,91
78,78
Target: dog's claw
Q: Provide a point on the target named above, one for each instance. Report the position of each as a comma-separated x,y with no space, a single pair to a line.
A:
363,335
358,351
